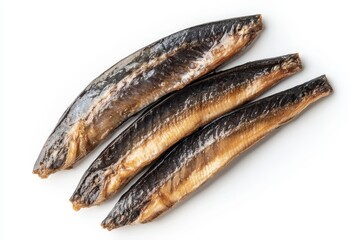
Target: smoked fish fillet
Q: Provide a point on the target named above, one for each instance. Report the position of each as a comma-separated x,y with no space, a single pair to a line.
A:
194,160
175,118
139,80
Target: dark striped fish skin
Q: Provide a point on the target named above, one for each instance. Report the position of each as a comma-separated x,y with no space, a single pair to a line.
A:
174,118
201,155
137,81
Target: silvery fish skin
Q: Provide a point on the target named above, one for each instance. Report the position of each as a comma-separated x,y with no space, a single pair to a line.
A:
139,80
198,157
173,119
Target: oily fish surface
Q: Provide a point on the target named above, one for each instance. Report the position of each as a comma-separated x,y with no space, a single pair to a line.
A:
138,80
174,118
197,158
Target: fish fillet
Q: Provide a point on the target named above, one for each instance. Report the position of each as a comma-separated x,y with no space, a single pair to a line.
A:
173,119
139,80
200,156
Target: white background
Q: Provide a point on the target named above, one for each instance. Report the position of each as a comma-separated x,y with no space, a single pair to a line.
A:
301,183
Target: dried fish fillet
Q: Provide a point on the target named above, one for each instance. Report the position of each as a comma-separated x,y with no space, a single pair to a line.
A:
174,118
137,81
198,157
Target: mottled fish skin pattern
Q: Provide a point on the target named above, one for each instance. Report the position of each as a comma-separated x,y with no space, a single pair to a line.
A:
139,80
201,155
175,118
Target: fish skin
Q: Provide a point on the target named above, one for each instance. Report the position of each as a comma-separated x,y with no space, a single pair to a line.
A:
174,118
139,80
200,156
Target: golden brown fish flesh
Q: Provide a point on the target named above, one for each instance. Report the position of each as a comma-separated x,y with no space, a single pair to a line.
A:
198,157
173,119
139,80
